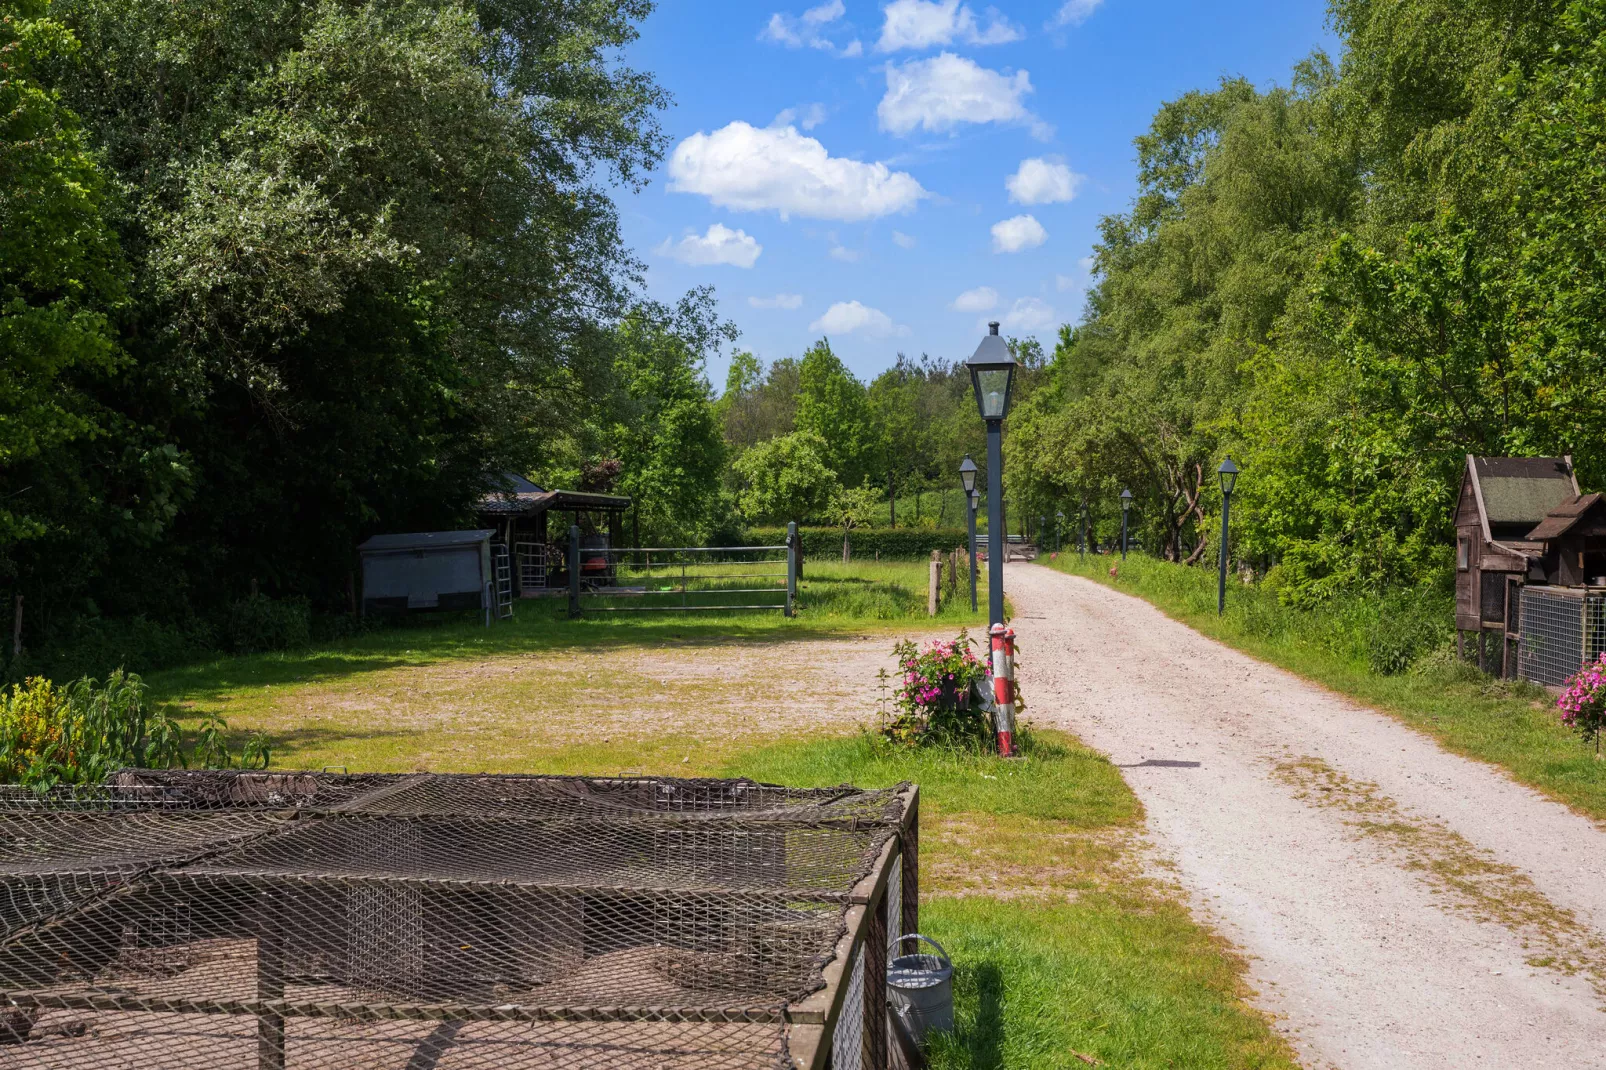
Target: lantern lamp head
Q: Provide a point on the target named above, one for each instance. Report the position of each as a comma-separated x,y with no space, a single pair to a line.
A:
992,371
1229,476
1126,500
967,474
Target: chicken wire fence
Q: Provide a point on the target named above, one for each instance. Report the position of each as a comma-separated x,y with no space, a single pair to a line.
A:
1563,628
428,922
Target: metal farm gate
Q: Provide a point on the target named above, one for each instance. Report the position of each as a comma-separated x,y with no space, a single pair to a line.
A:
683,579
1562,629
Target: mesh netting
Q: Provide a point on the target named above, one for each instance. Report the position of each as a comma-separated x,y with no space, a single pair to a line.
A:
266,920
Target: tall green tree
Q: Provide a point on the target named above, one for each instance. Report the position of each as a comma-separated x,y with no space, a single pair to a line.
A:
831,405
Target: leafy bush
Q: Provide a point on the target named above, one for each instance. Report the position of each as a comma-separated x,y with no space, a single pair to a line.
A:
867,542
136,643
935,694
1583,702
260,623
80,733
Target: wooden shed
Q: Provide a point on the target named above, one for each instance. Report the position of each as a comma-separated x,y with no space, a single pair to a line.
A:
1503,500
521,515
1573,535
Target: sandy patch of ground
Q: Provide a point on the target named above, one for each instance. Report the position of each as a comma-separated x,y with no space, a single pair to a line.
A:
504,712
1403,908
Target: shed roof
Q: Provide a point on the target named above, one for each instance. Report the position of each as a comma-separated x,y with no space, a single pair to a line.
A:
1563,517
1521,490
530,503
425,540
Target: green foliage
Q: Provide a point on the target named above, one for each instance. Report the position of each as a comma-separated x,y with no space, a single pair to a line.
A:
61,273
662,426
831,406
260,623
934,695
786,479
374,264
81,733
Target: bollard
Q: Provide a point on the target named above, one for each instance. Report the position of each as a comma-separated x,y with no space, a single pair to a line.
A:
1003,651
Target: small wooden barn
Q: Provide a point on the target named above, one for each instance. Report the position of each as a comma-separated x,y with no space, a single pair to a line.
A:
521,516
1573,536
1503,500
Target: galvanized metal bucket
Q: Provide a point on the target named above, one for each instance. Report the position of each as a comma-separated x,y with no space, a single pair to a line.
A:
920,988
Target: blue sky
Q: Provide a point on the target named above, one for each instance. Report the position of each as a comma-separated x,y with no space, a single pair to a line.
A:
893,173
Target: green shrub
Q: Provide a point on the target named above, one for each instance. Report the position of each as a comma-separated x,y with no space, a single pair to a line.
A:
90,643
80,733
260,623
820,542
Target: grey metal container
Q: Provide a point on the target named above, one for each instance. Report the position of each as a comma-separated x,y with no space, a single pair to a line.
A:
920,989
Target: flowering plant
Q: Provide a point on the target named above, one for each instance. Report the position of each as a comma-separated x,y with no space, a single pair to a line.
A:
1583,702
933,699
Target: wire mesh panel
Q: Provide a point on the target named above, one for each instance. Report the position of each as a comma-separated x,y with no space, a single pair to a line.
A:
676,579
1562,629
280,921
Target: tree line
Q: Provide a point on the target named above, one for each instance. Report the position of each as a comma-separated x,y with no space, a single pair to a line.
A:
1349,283
278,275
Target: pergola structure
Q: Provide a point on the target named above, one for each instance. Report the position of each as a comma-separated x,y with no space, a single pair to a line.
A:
522,517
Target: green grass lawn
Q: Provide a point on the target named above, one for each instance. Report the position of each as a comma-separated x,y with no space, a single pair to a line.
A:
1031,881
1511,724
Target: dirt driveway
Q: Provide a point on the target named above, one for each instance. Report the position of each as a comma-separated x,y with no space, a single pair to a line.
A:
1402,907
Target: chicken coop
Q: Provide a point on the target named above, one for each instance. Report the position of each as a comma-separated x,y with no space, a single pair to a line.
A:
533,524
205,920
1530,568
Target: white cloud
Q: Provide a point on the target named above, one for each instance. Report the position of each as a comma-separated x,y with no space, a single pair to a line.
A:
847,256
846,317
721,245
1073,13
751,170
1042,180
1063,283
981,299
904,241
787,301
808,119
1018,233
1087,264
939,93
1029,315
807,29
926,23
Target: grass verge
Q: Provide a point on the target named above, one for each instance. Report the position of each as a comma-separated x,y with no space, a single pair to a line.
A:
1512,724
1065,954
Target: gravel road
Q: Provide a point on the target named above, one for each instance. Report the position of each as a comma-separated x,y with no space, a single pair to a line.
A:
1401,907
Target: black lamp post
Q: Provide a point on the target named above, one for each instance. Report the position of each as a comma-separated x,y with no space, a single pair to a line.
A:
974,498
1126,507
992,372
1059,522
967,479
1229,480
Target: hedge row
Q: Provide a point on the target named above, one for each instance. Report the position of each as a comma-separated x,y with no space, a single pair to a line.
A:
866,542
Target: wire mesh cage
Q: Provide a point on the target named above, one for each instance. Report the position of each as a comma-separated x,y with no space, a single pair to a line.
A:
280,921
1563,628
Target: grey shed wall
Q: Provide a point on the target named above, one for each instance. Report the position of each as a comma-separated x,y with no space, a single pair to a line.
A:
450,575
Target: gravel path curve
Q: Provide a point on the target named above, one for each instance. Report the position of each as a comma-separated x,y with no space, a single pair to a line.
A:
1401,907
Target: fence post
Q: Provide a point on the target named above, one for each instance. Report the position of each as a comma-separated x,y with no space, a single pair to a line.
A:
934,583
791,567
874,954
574,570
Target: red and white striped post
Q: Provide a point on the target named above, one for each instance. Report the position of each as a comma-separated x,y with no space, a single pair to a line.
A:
1003,651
